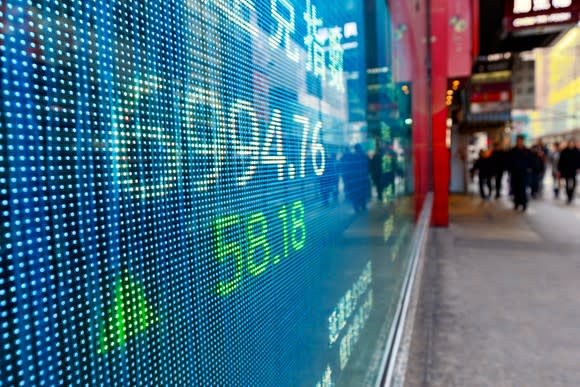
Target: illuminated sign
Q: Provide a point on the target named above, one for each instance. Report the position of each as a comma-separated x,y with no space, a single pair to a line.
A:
491,97
526,6
179,187
540,14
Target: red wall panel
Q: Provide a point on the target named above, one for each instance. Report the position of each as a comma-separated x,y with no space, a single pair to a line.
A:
439,78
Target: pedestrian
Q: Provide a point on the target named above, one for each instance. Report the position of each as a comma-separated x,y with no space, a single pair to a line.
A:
382,168
485,172
355,175
538,171
376,171
329,181
554,159
568,166
498,165
520,167
544,155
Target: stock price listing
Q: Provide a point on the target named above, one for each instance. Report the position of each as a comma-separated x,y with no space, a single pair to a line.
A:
170,193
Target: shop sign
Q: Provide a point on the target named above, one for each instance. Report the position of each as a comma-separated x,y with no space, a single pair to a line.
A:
539,15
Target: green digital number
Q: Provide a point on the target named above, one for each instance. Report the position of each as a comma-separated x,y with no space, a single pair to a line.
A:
293,234
256,242
298,226
225,250
282,214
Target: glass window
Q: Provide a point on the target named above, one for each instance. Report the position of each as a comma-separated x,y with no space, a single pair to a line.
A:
200,192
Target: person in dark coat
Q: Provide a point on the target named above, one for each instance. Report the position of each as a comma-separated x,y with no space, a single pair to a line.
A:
520,167
568,166
498,165
376,171
329,181
382,168
355,175
554,160
483,165
538,171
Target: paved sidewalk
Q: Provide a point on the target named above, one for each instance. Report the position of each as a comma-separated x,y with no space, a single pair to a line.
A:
500,298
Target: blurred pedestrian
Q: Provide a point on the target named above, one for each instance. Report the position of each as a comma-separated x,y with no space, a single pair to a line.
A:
355,175
568,166
382,169
538,171
484,168
329,181
376,171
498,165
520,167
554,159
544,154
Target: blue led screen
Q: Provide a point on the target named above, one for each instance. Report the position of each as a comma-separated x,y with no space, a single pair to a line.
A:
193,193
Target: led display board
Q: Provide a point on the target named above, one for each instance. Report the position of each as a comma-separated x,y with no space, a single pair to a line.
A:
540,15
186,196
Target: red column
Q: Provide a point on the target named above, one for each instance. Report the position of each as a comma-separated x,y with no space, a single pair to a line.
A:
422,164
439,57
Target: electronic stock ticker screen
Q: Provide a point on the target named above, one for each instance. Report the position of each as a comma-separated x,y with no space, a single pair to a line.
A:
175,194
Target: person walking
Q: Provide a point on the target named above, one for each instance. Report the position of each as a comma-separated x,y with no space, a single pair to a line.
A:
538,171
485,172
329,181
498,165
376,171
520,167
355,170
568,166
544,155
554,159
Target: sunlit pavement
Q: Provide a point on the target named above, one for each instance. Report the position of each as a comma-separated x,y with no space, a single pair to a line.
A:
500,298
